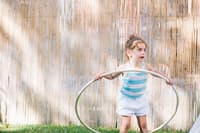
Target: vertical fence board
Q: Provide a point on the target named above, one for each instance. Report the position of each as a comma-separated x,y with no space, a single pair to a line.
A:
49,49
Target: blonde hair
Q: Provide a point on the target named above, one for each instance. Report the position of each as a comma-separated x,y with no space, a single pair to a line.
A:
132,42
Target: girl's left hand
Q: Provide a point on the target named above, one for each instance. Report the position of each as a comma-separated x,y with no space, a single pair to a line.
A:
170,81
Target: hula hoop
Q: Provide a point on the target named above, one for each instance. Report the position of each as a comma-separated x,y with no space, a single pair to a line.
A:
120,71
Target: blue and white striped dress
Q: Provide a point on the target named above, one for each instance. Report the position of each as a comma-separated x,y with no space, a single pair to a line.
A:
132,98
134,84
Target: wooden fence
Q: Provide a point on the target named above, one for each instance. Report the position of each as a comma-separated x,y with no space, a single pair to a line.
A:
50,48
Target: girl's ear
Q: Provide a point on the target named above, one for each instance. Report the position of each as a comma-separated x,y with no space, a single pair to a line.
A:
128,53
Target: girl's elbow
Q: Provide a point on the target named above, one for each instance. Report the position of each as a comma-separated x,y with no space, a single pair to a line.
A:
110,78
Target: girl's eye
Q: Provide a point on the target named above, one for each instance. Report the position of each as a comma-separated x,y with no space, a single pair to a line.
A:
140,49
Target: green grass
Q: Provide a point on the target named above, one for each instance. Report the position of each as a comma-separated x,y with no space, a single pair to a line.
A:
62,129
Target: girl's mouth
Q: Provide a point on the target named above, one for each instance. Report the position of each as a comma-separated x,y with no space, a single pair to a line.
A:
142,57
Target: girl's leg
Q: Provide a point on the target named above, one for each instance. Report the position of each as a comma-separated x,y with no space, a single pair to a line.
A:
125,125
142,122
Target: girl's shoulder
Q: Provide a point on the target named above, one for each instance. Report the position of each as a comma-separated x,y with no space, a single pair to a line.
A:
122,66
149,67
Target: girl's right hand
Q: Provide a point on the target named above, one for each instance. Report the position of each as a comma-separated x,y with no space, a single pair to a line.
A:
99,76
170,81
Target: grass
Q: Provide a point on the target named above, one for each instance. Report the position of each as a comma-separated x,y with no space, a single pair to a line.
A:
62,129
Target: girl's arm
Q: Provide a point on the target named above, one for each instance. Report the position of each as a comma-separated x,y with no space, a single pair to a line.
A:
110,76
150,68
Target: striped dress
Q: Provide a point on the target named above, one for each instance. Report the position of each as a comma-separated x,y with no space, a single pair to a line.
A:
134,84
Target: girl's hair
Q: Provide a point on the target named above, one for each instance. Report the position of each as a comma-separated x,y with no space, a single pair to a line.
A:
132,42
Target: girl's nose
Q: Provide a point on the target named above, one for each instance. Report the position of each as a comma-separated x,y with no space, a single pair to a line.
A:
143,52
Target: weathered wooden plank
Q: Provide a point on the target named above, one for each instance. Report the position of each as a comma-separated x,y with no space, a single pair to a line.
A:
49,49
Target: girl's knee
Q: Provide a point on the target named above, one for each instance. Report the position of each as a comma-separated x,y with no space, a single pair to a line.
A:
125,126
144,128
144,125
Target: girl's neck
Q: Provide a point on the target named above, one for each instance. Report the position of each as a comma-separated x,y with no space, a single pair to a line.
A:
133,63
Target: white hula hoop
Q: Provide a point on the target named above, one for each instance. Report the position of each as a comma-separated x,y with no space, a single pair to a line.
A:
120,71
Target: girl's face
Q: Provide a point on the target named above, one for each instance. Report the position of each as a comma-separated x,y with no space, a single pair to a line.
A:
138,53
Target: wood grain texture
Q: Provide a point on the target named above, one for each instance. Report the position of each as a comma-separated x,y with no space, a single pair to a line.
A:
49,49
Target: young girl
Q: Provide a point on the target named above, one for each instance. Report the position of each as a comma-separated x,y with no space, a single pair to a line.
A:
132,99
